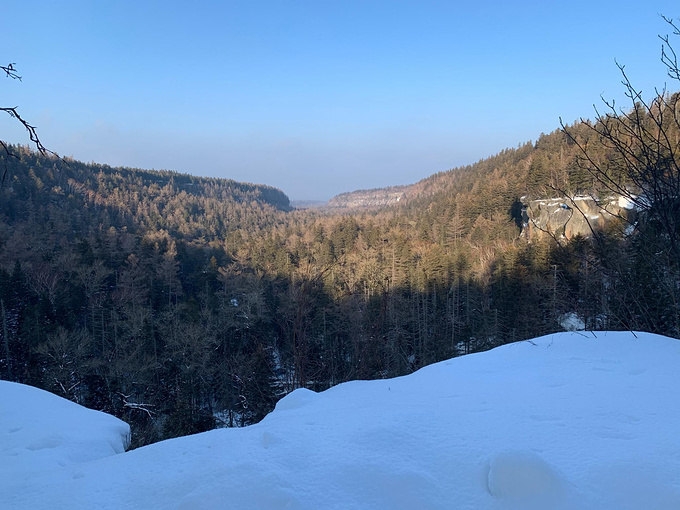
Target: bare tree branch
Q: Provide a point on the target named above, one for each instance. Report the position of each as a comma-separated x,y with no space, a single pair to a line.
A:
33,135
11,71
135,405
642,147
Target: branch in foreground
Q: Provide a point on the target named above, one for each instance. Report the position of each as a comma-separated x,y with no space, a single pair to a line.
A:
11,71
31,129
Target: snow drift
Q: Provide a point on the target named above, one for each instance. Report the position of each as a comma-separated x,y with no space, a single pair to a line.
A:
40,431
565,421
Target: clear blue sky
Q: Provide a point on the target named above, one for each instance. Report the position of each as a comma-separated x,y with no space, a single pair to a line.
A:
316,97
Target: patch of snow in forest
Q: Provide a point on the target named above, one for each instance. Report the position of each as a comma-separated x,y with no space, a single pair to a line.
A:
626,203
572,322
582,420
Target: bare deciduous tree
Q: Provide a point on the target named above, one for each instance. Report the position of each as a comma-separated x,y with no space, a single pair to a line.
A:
641,157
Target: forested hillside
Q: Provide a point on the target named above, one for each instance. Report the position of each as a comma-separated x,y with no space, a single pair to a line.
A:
182,303
104,273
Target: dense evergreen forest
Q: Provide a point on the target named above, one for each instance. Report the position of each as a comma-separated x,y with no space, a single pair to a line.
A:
182,303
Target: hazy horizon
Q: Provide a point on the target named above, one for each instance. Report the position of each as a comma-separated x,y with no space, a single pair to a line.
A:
317,99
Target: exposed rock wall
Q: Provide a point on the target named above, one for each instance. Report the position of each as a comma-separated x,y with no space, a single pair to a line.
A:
566,218
368,198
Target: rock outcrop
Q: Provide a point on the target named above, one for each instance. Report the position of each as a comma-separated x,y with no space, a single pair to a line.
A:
569,217
368,198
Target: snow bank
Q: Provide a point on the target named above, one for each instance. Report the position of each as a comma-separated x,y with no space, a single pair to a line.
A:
40,431
567,421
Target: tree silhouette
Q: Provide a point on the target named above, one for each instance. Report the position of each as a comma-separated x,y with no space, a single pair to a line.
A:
641,157
11,72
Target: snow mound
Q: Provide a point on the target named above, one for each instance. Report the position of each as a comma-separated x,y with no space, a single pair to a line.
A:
41,431
522,475
570,421
296,399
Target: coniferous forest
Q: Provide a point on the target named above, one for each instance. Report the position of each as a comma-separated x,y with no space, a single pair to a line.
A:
181,303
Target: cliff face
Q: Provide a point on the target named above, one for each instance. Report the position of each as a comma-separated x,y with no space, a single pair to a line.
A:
368,198
562,217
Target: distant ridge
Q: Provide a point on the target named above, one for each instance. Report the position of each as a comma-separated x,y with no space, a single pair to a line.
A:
308,204
363,199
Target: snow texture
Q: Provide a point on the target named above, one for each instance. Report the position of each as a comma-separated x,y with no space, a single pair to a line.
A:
40,432
567,421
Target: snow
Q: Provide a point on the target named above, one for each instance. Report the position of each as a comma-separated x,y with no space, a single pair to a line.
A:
626,203
567,421
572,322
523,476
40,431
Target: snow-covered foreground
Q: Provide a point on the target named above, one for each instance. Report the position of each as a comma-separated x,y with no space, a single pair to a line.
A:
566,421
40,432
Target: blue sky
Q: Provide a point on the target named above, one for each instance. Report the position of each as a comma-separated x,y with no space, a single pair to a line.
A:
317,97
